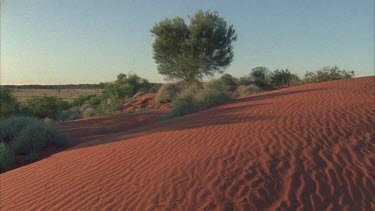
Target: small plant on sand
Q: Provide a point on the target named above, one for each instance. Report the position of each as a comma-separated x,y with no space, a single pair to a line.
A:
198,97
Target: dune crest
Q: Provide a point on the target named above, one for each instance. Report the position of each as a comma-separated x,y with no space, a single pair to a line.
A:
300,148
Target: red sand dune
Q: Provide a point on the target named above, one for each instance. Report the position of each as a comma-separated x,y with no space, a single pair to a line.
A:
300,148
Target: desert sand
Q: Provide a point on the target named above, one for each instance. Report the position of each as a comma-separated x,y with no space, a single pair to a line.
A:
309,147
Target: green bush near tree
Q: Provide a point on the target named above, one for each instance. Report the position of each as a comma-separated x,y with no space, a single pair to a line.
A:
198,97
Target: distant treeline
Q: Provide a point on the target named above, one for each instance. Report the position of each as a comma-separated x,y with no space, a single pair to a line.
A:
65,86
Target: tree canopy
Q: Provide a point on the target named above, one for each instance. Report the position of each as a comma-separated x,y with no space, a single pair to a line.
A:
190,52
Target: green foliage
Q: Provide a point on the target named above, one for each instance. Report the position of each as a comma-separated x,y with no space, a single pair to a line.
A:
8,104
260,75
169,91
245,81
197,97
126,86
327,74
246,90
109,107
69,115
44,107
7,157
282,77
25,134
192,51
85,98
230,81
89,112
10,127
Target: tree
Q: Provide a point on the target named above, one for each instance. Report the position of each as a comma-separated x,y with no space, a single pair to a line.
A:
281,77
190,52
259,75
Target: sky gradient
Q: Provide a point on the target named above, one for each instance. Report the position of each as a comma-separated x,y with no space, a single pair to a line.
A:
89,41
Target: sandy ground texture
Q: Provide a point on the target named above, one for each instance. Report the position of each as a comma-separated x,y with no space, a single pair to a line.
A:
302,148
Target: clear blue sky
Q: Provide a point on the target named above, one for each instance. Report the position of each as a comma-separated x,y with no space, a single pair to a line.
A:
87,41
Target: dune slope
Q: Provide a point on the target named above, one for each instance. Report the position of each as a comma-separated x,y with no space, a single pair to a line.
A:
307,147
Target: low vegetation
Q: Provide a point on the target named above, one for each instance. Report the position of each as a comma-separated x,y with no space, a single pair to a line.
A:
327,74
198,97
169,91
27,137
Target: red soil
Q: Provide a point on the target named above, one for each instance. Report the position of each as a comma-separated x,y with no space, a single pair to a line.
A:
301,148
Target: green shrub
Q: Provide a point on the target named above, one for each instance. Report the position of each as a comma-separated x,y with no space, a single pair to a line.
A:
214,92
25,134
10,127
196,97
327,74
58,138
110,107
43,107
186,102
125,86
230,81
260,75
245,81
89,98
8,104
32,137
282,77
246,90
7,157
169,91
89,112
69,115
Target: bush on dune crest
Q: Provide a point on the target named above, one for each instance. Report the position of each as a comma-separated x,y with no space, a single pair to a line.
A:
27,136
242,90
198,97
169,91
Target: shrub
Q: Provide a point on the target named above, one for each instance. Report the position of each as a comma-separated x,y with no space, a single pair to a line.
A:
246,90
245,81
13,125
8,104
110,107
69,115
6,157
327,74
31,137
125,86
85,98
260,75
89,112
214,92
45,107
25,134
230,81
186,102
196,98
169,91
281,77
